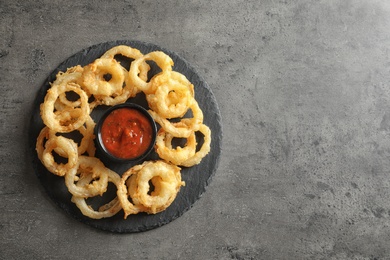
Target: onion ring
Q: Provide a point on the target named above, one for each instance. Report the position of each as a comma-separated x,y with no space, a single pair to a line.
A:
86,144
94,81
43,136
187,156
72,75
173,96
160,58
174,155
88,166
122,193
203,151
88,136
66,145
169,182
129,89
105,211
53,120
124,50
108,210
181,130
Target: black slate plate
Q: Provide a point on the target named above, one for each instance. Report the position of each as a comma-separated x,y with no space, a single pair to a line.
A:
197,177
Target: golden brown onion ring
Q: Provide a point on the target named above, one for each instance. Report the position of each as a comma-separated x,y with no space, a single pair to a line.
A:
203,151
105,211
68,146
181,130
72,75
86,143
65,120
173,95
130,90
124,50
122,192
160,58
167,178
43,136
94,81
88,166
174,155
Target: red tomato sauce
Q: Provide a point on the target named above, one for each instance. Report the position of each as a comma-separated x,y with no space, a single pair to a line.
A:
126,133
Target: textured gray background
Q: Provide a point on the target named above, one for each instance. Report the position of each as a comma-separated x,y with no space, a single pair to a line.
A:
303,87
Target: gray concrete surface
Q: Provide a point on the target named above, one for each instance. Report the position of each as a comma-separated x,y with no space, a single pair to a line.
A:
304,92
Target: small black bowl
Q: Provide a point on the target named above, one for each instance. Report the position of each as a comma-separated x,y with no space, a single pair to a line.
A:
101,145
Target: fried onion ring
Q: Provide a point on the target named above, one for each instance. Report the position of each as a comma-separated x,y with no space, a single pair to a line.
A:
66,145
88,166
173,96
43,136
122,193
94,81
129,90
65,120
105,211
181,130
160,58
187,156
72,75
86,143
175,155
124,50
203,151
166,179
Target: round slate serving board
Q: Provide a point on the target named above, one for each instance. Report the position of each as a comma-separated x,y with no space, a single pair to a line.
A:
196,178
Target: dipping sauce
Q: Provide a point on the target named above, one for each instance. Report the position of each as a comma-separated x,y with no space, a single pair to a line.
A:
126,133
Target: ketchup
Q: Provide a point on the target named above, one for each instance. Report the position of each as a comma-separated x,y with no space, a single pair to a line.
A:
126,133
